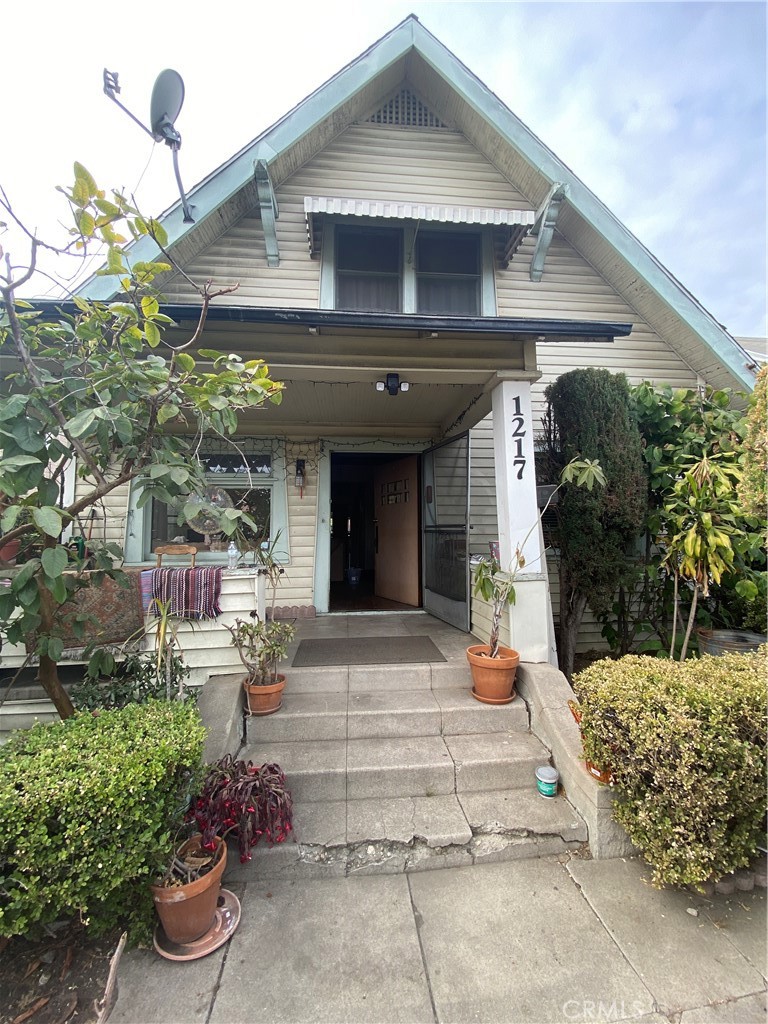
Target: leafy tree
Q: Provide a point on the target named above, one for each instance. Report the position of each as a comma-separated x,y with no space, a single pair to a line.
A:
589,415
753,489
101,387
697,522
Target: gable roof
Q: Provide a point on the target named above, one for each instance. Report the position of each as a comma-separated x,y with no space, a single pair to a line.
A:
409,52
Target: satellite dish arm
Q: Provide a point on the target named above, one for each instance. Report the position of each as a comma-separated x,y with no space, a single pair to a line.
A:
110,88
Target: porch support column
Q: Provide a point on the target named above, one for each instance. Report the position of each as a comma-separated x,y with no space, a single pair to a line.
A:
518,513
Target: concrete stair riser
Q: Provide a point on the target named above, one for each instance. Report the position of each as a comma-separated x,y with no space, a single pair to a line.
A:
384,714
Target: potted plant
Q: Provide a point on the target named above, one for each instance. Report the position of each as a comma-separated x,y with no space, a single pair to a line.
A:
261,646
239,797
494,666
187,895
234,798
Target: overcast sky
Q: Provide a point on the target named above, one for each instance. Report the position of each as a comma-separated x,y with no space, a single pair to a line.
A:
660,108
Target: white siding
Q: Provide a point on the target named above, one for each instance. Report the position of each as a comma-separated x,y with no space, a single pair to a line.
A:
366,162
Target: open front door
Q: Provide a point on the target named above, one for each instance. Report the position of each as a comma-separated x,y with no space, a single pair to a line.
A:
396,524
445,518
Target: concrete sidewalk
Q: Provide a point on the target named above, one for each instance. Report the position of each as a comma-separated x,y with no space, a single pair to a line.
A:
523,941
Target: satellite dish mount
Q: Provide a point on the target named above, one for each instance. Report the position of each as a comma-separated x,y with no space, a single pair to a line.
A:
165,106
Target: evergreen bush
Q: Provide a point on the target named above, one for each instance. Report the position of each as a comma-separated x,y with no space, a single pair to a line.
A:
687,745
87,811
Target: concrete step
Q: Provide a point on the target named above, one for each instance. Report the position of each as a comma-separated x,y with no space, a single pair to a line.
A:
494,761
356,769
391,835
387,714
377,678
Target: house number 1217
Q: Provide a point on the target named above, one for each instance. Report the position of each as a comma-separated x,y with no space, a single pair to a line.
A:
518,433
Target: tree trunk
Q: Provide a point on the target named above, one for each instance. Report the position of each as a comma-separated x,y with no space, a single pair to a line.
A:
572,605
48,672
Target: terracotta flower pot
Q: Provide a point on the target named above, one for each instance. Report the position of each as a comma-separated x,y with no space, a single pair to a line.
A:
187,912
604,775
493,678
264,700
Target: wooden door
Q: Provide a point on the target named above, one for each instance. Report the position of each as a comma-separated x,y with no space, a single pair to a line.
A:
396,521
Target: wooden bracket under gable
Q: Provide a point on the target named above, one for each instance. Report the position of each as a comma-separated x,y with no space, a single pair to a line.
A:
269,211
544,227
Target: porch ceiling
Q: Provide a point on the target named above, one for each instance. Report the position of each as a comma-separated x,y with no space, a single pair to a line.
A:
330,364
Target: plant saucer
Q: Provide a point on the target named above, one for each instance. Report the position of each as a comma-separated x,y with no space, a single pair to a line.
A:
224,923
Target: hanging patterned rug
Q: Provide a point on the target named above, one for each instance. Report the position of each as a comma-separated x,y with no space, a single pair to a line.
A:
366,650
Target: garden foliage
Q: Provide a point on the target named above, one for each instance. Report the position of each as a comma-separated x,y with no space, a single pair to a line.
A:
686,743
589,414
87,812
109,388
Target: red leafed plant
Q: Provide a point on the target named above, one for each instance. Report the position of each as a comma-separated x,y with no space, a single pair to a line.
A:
250,800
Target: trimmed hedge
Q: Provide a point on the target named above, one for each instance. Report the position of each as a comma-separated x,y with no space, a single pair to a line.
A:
687,746
86,809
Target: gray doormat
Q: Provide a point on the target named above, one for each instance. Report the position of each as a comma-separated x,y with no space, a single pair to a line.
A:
366,650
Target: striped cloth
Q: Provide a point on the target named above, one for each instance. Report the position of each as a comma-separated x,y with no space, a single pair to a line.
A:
194,593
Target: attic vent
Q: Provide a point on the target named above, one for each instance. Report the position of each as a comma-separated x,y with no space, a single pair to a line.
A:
406,111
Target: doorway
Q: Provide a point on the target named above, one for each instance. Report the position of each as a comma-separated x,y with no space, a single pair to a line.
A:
375,562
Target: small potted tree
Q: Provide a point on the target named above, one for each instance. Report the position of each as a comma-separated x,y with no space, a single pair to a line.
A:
494,666
261,646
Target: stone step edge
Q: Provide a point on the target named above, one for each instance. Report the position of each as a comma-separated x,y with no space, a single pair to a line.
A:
396,856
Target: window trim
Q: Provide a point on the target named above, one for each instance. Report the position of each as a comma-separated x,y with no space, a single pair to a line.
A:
138,529
328,258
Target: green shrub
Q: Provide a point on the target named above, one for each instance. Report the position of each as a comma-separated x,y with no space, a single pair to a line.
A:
87,808
686,743
134,681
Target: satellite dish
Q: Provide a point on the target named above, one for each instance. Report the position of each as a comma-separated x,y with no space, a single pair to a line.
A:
165,106
167,100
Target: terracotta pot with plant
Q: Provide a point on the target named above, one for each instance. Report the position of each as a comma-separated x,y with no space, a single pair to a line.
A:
187,895
261,646
494,666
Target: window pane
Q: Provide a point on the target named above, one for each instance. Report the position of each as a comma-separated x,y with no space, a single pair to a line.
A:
450,296
446,252
256,501
368,292
372,251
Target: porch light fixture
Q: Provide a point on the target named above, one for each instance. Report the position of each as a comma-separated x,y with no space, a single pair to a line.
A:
300,476
392,384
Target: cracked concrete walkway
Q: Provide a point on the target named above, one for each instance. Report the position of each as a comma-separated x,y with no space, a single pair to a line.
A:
548,940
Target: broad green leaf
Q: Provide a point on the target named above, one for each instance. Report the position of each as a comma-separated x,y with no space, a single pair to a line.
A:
83,175
152,334
82,422
55,647
24,575
167,412
185,361
55,561
85,223
9,517
149,306
26,432
48,520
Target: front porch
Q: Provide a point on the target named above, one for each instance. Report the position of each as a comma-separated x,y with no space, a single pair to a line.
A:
395,767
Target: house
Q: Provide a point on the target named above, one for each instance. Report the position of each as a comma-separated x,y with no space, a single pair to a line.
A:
416,266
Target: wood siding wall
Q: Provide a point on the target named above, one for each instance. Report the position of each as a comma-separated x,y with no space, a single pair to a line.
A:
367,162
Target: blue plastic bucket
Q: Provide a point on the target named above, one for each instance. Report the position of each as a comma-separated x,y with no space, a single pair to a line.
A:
547,778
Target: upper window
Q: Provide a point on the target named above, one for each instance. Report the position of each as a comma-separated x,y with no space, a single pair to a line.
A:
369,270
448,270
408,270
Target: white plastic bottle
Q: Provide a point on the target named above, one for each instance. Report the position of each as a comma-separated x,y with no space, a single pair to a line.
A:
233,555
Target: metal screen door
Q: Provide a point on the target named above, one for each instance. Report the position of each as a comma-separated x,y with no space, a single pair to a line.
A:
445,530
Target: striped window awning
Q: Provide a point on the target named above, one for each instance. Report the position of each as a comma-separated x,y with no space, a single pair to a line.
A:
513,223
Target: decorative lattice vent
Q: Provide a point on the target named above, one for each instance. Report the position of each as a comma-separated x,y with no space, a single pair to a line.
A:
406,111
